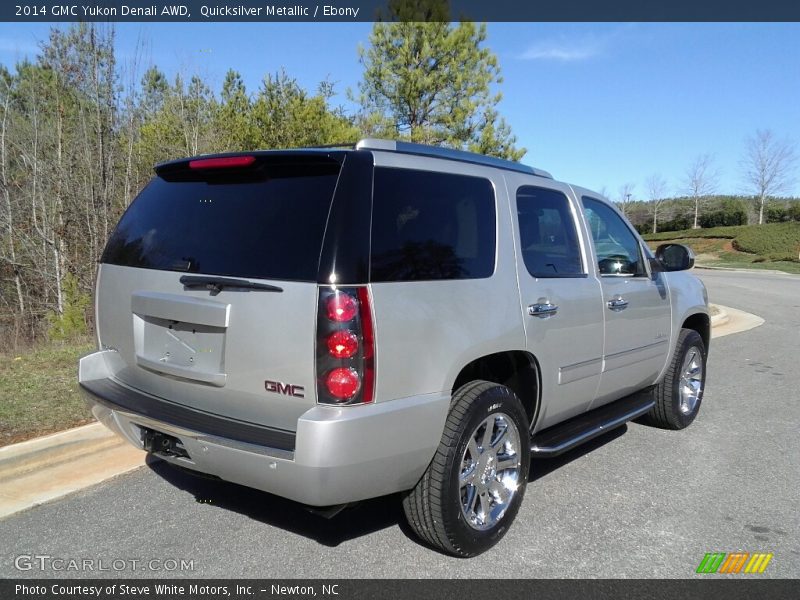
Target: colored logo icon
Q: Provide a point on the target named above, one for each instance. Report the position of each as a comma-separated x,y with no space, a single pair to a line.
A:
734,562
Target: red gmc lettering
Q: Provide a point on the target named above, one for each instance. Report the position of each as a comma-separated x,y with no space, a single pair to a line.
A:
287,389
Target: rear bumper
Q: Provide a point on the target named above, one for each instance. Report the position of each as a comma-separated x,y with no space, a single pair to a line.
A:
337,455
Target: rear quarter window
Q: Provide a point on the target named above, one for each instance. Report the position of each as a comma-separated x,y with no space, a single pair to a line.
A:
431,226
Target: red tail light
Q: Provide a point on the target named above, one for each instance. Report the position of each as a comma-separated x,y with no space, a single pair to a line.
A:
368,345
343,383
223,162
341,307
345,347
343,344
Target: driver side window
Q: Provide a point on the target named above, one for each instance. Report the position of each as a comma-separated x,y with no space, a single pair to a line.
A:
617,248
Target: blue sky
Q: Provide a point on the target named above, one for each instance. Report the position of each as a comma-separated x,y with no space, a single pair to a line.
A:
599,105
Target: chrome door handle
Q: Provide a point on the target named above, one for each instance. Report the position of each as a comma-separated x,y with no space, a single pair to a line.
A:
618,303
542,310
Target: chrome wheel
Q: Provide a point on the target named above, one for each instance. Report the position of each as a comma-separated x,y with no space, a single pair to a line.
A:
490,471
691,382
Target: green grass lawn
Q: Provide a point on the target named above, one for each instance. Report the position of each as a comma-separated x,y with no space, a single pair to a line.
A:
774,246
39,392
740,260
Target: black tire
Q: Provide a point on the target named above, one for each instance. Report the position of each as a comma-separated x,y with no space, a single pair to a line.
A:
667,412
434,507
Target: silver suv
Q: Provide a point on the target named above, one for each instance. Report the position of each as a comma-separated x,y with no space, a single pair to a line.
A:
331,325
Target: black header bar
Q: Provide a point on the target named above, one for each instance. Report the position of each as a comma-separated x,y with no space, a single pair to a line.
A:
324,11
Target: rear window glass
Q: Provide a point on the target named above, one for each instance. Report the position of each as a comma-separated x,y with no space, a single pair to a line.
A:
428,226
548,238
264,223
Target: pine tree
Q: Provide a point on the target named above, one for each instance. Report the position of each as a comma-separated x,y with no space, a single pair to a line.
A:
432,82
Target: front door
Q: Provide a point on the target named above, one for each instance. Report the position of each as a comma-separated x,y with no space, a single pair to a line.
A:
636,305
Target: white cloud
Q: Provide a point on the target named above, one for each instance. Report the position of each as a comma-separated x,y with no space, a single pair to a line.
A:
571,48
559,53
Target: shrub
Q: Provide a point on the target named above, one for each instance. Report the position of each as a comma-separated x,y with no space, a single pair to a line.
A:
676,224
724,218
775,214
643,228
780,241
70,324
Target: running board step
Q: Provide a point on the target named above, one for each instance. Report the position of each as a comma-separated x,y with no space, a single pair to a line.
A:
574,432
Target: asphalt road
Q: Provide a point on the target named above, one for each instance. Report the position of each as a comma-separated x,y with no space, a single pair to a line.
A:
639,502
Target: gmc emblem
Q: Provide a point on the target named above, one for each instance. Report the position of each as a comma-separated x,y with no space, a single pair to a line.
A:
287,389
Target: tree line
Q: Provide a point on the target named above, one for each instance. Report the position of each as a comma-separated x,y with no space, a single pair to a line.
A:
767,170
720,210
80,133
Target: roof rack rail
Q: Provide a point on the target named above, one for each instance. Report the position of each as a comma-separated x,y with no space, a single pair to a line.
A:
348,145
448,153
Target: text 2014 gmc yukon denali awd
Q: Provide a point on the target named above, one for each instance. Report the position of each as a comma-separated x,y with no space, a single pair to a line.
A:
333,325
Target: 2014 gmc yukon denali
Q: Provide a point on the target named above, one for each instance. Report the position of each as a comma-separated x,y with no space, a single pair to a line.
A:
331,325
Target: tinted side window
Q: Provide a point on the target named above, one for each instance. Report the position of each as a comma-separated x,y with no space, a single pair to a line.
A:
617,248
548,239
428,226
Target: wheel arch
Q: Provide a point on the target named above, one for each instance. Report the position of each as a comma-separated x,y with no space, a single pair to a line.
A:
701,323
516,369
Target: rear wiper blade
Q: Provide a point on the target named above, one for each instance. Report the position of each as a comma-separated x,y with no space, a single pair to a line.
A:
216,284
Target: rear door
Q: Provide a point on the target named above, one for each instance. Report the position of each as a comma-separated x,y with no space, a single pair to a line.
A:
562,304
242,349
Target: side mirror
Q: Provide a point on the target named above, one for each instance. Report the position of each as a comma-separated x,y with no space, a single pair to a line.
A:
675,257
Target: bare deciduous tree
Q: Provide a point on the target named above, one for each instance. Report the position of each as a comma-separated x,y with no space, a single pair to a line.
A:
767,167
656,187
625,193
7,214
701,181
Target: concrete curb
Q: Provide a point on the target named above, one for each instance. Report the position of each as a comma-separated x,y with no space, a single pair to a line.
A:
49,467
735,270
53,466
720,318
733,320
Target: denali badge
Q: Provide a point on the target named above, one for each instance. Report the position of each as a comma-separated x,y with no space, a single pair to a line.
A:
287,389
